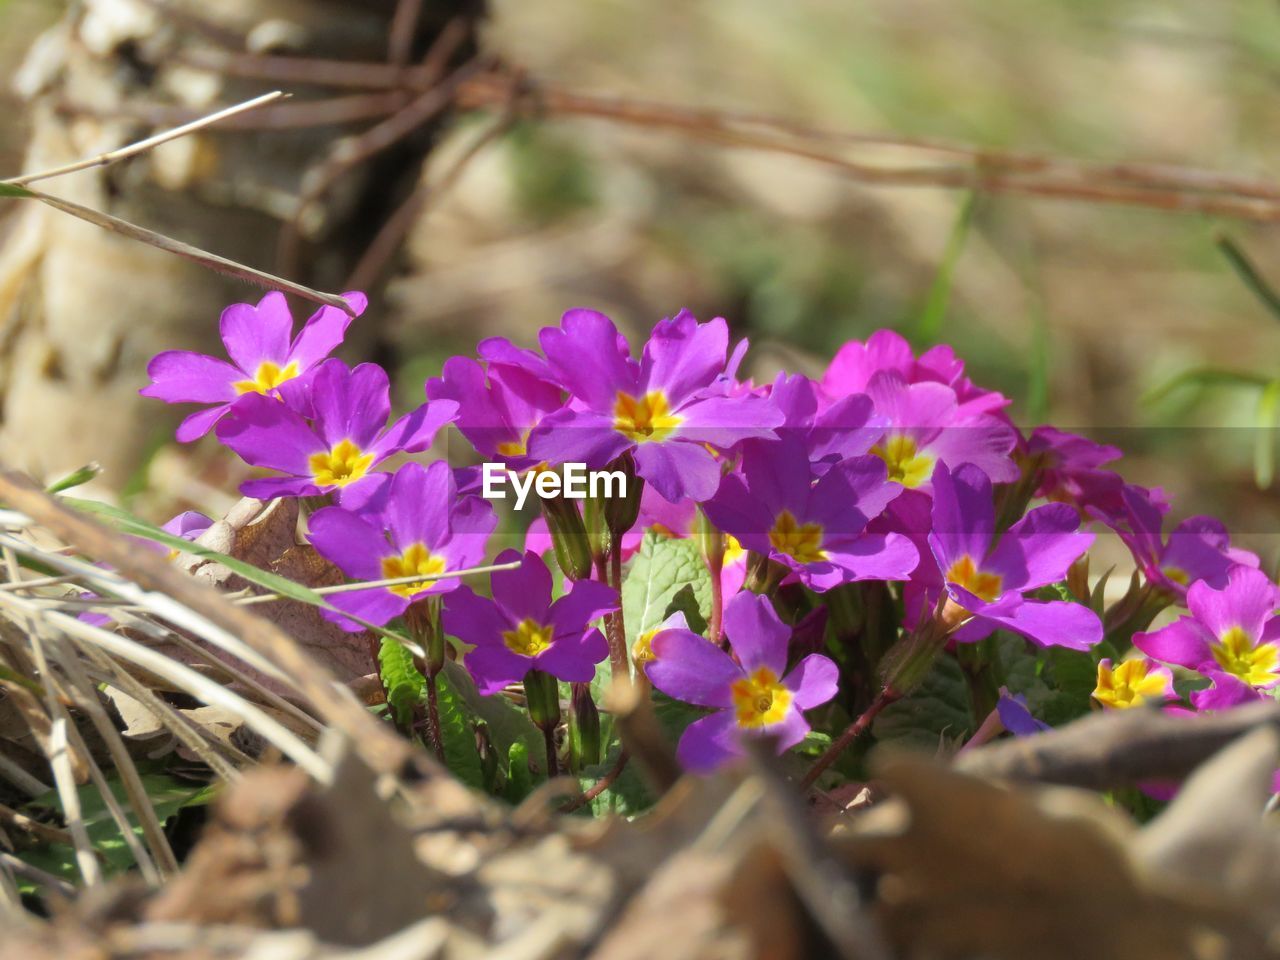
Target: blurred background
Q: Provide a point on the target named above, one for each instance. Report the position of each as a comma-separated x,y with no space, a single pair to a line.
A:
494,221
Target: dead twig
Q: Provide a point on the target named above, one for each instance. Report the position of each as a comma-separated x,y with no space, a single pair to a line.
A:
1118,748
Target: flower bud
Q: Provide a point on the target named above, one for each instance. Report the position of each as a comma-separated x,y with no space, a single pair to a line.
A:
542,695
584,729
569,536
620,513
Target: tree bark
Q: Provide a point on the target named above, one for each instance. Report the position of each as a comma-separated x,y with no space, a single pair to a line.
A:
82,310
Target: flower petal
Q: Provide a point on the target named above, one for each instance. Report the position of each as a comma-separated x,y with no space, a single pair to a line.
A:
693,669
586,601
683,355
1185,642
709,743
573,659
1247,601
254,334
1055,623
201,422
964,517
524,592
351,542
814,681
1039,548
588,356
756,633
181,376
377,605
266,433
324,331
678,470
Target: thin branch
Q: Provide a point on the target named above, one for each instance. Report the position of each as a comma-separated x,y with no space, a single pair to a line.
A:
142,146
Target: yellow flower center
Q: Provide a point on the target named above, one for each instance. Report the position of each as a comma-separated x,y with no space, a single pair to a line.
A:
417,560
801,542
515,448
1237,655
906,465
965,573
1177,575
642,650
268,376
1129,684
646,418
733,550
760,699
528,639
342,465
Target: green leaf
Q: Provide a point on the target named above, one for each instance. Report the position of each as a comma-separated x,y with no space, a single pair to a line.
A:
508,724
15,191
458,734
630,794
1058,683
935,308
937,711
686,602
167,794
75,479
406,687
519,776
1249,274
659,571
1205,377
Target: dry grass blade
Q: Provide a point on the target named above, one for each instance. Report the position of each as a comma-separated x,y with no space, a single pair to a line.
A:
64,783
142,146
201,687
380,748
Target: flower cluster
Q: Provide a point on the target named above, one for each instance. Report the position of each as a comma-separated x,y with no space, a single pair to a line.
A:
853,530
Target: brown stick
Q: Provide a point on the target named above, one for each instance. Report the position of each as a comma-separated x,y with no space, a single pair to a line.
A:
1118,748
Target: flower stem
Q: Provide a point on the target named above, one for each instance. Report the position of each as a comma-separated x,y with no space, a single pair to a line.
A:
549,738
846,739
615,630
433,718
600,786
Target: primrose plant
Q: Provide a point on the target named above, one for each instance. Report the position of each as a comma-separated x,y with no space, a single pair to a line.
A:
876,555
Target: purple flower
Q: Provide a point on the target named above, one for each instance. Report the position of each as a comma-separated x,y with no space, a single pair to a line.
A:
928,425
423,527
498,406
754,694
1232,630
337,451
987,584
817,529
668,409
263,358
1016,716
520,629
1069,472
1199,548
832,431
856,363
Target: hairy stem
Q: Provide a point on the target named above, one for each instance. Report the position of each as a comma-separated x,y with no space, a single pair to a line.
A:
846,739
